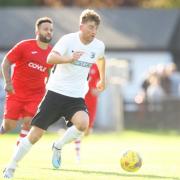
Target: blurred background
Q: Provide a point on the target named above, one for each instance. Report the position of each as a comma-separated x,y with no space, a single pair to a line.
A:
142,39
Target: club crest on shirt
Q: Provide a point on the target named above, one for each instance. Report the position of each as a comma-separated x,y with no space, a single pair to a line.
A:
92,55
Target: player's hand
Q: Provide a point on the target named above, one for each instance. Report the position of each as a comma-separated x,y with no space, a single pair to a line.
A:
100,86
94,91
76,55
9,87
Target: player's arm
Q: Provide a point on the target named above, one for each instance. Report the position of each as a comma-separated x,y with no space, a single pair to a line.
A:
47,78
56,58
6,71
101,67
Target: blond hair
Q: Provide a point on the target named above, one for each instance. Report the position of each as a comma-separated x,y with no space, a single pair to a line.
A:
89,15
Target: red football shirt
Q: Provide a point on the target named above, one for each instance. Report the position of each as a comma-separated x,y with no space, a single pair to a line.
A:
30,70
93,76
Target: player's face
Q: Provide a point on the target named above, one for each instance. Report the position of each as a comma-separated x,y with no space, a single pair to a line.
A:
45,32
89,30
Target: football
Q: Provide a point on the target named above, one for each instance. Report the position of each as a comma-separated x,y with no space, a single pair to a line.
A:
131,161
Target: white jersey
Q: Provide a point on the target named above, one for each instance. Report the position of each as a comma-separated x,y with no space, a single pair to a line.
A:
71,79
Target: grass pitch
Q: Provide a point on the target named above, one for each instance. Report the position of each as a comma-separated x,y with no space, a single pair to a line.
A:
100,155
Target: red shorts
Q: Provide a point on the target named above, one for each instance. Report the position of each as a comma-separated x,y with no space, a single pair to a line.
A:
15,109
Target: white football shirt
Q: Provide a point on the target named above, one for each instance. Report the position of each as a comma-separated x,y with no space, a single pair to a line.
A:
71,79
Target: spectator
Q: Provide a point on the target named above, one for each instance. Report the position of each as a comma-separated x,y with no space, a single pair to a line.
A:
174,77
155,93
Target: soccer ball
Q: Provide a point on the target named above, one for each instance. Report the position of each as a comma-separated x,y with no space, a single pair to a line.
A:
131,161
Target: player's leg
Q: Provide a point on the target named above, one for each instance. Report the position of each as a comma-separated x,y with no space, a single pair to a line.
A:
89,130
42,120
8,125
29,110
77,144
12,110
40,123
78,141
80,122
25,127
75,110
22,149
91,103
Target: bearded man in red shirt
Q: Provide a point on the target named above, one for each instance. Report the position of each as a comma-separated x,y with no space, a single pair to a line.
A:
25,88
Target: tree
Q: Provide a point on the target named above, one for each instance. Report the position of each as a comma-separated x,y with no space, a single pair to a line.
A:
159,3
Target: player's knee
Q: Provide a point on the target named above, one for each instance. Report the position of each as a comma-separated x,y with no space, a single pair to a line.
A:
35,134
9,125
83,125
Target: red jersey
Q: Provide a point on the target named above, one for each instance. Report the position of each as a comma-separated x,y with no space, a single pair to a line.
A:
30,70
93,76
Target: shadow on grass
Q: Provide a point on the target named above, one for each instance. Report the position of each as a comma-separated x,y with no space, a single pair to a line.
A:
149,176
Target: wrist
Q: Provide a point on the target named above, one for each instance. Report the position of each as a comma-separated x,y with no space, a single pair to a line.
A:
102,80
70,59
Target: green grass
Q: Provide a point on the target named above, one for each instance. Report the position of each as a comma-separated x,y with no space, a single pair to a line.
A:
100,154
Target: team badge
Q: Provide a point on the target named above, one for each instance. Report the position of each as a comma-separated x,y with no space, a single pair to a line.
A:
92,55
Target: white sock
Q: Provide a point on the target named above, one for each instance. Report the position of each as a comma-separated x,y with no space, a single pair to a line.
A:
71,134
21,150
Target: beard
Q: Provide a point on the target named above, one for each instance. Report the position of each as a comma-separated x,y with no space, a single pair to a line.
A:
44,39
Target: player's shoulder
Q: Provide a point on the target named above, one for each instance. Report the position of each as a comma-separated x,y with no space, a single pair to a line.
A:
70,36
99,43
26,42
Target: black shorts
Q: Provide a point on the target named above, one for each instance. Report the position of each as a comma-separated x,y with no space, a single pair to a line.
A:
54,106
